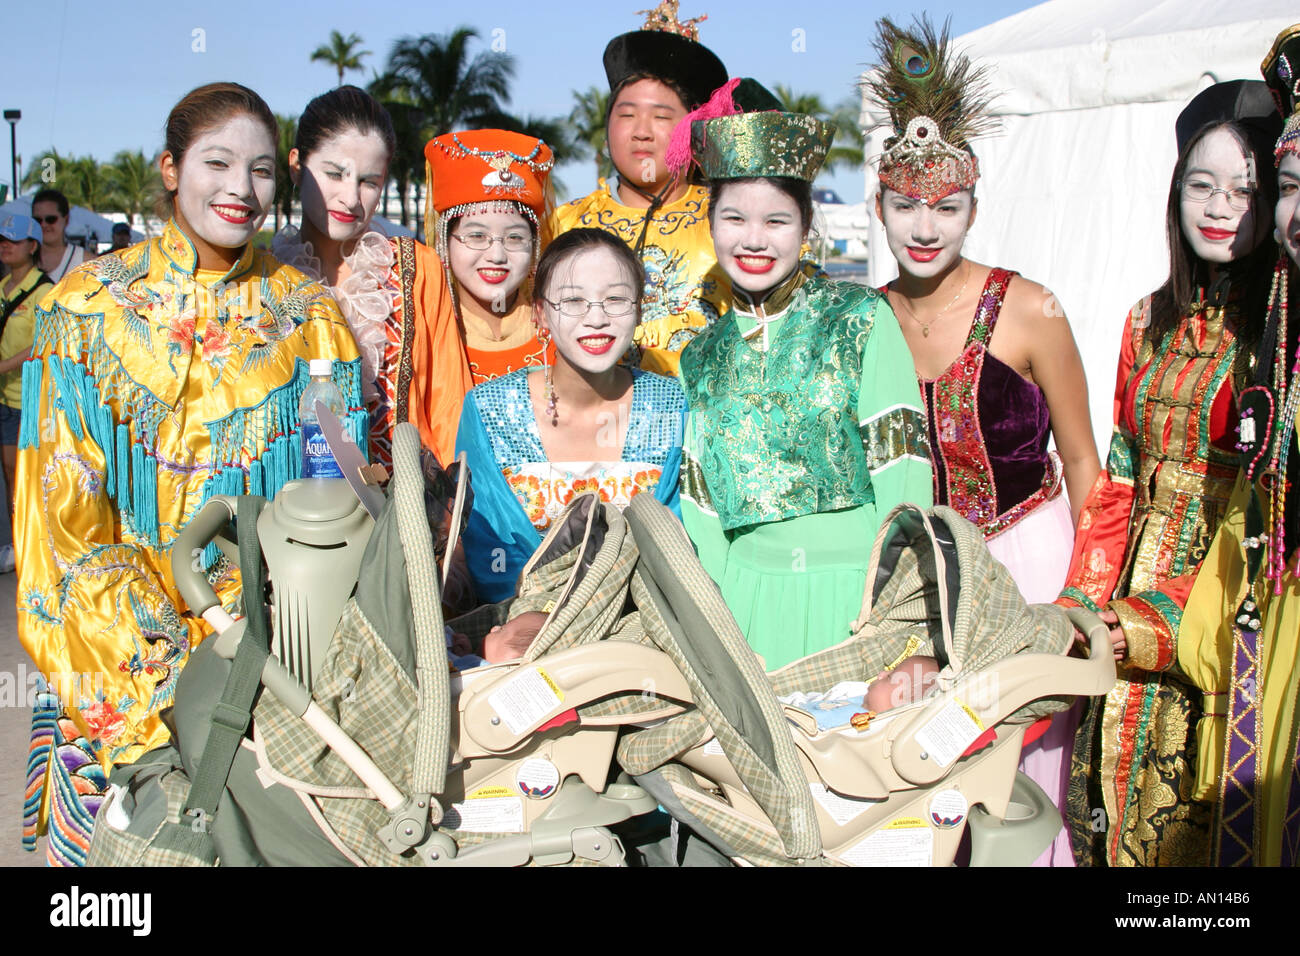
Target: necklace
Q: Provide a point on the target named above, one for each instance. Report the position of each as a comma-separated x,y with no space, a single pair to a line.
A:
925,326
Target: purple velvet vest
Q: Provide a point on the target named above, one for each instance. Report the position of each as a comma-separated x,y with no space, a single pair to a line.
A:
988,429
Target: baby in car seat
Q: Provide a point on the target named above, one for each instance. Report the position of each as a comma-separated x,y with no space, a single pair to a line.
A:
905,684
845,702
505,642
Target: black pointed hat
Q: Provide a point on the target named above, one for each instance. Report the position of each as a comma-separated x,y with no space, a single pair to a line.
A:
669,50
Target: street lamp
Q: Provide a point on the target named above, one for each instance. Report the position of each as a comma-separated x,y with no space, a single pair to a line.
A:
12,117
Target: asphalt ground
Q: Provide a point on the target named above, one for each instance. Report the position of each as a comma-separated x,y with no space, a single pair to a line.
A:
15,732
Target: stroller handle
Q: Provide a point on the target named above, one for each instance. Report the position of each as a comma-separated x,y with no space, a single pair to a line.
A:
1094,628
191,579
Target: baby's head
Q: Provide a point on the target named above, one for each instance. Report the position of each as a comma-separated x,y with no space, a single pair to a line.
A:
510,641
906,683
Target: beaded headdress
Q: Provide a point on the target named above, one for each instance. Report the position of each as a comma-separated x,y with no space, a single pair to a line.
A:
1281,69
486,170
761,144
937,103
669,49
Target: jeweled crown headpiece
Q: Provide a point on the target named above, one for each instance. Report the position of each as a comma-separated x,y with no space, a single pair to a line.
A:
664,19
937,103
761,144
1281,69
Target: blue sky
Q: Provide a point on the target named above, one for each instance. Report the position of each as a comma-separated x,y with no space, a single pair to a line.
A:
97,78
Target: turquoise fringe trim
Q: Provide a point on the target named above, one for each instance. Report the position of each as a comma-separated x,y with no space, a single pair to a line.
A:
131,467
67,395
144,493
124,470
29,430
359,425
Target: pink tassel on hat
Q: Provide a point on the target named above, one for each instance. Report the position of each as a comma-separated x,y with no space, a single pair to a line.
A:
678,155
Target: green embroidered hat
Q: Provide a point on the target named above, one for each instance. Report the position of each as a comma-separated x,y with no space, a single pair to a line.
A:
761,144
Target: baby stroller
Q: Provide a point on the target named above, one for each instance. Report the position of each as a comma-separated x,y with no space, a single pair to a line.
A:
362,747
762,784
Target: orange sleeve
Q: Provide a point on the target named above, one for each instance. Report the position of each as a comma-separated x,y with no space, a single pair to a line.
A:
439,367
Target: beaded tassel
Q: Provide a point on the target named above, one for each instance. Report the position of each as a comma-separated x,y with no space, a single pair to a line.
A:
1288,400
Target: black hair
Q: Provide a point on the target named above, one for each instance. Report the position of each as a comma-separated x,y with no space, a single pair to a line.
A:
1189,275
54,196
343,108
800,190
569,244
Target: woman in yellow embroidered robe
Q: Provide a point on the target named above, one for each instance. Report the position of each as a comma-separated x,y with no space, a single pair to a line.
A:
1240,637
153,385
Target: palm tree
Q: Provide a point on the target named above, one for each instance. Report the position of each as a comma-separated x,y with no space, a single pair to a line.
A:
283,201
445,88
37,177
340,54
81,178
808,103
135,184
407,161
587,127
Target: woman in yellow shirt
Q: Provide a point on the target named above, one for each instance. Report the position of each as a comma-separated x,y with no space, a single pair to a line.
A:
161,375
20,245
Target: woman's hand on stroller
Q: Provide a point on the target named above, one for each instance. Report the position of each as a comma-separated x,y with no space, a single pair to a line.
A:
1118,642
1117,639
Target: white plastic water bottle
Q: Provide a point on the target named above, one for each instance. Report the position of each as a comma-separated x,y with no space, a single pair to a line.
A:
317,460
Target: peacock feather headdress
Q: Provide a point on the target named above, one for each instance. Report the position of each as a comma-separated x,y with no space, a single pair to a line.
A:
937,102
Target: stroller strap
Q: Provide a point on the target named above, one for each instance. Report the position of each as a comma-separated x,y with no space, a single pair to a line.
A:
232,715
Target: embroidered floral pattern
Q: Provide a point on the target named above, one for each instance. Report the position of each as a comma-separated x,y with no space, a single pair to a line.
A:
544,489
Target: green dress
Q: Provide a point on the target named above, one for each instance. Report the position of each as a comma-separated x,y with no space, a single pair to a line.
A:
793,454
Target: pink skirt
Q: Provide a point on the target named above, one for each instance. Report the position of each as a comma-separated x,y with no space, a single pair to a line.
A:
1036,550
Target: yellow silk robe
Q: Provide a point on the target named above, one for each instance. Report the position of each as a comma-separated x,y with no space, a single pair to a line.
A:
152,386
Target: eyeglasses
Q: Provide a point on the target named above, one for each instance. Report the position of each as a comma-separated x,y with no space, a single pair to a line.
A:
1197,190
576,307
478,241
48,220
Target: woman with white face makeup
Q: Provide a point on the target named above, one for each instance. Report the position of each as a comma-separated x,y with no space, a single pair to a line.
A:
998,367
1239,638
393,292
534,438
805,423
161,374
1186,358
488,201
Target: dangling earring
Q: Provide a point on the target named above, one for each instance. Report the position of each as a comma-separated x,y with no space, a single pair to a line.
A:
544,337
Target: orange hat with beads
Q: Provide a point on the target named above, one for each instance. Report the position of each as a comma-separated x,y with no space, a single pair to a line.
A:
486,170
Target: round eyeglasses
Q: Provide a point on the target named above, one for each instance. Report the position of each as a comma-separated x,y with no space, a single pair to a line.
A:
479,241
1198,190
576,307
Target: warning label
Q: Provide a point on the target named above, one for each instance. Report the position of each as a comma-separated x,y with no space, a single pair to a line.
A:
525,699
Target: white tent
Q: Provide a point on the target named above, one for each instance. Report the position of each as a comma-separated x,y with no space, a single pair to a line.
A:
1073,189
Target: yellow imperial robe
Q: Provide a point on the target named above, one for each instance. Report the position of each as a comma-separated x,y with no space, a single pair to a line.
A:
685,290
1248,733
152,387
